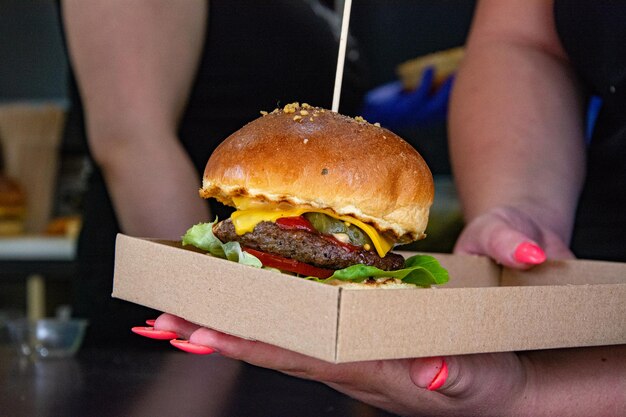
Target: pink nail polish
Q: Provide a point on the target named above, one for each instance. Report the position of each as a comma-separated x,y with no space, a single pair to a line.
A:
186,346
151,333
529,253
151,322
440,378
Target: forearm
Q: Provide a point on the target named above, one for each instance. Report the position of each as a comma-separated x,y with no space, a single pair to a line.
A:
575,382
153,186
135,63
516,133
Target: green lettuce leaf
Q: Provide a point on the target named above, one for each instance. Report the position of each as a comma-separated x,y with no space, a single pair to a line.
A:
201,236
420,270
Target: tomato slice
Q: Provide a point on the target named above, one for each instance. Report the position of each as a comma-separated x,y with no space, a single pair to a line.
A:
291,265
296,222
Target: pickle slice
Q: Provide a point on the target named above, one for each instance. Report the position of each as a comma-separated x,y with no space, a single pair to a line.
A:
328,225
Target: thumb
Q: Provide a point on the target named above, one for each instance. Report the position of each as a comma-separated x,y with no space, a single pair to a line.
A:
429,373
477,376
504,244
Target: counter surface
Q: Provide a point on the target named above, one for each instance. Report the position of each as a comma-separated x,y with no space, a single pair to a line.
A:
116,382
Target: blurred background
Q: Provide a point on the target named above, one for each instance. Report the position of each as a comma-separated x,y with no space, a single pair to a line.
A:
43,159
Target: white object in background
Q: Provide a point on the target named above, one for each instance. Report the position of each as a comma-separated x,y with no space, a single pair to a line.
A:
37,248
341,57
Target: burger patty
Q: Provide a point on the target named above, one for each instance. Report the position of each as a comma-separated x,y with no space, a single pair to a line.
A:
305,246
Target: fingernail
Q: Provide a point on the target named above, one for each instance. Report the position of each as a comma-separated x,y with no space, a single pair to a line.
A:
154,334
151,322
529,253
440,378
186,346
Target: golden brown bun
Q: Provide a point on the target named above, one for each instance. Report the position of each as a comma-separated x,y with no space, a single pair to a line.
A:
308,156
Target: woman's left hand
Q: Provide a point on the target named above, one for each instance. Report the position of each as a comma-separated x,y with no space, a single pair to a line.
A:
485,384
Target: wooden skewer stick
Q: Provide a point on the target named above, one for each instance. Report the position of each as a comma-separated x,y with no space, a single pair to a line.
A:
341,58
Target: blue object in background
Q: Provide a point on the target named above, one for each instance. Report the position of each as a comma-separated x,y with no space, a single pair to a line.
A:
593,109
396,108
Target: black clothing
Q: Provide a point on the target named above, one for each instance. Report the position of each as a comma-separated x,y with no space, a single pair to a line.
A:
257,56
593,35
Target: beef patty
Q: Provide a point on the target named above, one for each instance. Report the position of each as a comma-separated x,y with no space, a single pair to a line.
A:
304,246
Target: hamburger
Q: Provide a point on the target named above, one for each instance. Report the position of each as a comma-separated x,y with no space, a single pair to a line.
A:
322,196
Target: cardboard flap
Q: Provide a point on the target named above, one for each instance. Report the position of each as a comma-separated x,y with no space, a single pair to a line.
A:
567,272
226,296
403,323
557,304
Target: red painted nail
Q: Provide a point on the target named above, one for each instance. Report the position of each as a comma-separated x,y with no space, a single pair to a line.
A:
154,334
440,378
186,346
151,322
529,253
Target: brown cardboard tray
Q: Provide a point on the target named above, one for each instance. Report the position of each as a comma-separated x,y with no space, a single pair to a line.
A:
484,308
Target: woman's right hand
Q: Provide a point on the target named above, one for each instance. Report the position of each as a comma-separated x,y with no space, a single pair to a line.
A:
512,238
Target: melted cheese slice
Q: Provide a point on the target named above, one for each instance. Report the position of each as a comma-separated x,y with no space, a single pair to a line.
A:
249,216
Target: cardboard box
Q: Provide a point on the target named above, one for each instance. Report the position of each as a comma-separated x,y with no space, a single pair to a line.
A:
483,308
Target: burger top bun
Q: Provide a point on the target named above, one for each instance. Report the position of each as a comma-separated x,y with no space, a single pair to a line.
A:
309,156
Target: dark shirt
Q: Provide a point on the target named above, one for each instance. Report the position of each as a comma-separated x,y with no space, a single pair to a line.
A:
593,35
257,56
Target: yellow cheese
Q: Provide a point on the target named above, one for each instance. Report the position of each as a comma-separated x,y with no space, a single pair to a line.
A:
245,220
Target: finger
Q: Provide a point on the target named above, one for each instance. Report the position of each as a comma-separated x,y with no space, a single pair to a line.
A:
513,249
429,373
261,354
529,253
502,243
253,352
477,376
182,327
152,333
384,384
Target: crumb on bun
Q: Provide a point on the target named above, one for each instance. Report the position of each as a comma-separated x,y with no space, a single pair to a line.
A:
308,156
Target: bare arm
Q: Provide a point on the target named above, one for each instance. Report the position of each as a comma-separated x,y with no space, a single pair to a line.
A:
517,147
134,63
516,117
575,382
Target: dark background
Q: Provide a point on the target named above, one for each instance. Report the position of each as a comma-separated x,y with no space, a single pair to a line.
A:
33,64
34,67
